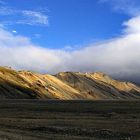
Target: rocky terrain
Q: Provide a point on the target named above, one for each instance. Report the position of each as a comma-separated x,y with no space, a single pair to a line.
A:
65,85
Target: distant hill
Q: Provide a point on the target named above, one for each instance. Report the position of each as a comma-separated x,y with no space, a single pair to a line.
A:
64,85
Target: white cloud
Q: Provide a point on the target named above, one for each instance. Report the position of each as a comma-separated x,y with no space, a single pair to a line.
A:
133,25
130,7
28,17
14,31
20,53
35,18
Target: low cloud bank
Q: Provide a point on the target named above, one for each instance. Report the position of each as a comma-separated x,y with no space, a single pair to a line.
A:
119,56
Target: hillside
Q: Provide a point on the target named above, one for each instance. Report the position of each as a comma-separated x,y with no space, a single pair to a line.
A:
64,85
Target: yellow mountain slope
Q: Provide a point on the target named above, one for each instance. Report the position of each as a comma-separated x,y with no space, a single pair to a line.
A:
64,85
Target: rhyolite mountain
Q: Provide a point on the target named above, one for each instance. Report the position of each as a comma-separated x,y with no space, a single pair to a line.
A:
64,85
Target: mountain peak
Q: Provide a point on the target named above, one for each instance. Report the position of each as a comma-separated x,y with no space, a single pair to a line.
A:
101,76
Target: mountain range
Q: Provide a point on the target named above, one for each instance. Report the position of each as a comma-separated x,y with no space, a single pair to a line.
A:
64,85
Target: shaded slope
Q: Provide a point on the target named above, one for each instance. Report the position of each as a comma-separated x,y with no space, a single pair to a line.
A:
100,86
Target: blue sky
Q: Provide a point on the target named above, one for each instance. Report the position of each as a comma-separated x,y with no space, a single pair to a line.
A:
69,22
50,36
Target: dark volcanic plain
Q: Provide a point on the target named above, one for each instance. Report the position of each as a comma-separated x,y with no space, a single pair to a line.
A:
69,120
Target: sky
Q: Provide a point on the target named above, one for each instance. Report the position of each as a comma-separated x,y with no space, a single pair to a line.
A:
50,36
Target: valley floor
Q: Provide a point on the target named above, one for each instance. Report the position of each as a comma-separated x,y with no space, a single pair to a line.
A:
69,120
